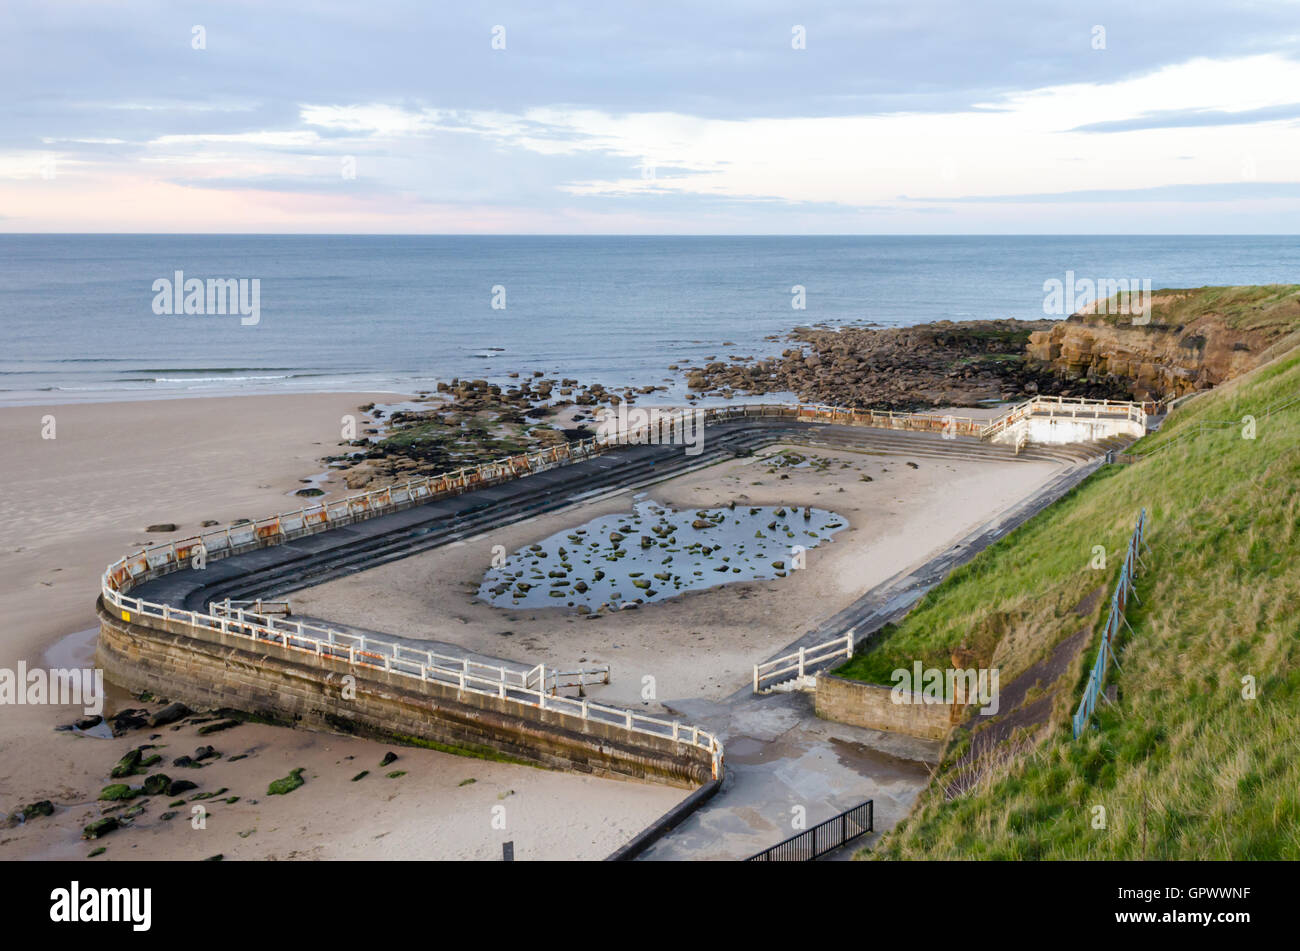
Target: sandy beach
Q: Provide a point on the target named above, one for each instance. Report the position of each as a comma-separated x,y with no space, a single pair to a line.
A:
75,502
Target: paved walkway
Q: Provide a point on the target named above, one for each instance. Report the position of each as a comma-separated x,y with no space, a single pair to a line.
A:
781,756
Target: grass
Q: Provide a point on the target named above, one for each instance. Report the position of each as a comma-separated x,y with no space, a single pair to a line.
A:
1184,765
1270,308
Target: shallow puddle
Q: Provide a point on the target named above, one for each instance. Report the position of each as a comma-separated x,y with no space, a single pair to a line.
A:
656,553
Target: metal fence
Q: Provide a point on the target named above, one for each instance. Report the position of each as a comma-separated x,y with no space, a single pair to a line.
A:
822,838
1118,602
1216,426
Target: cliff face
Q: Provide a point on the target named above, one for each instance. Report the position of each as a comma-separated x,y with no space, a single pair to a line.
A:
1196,339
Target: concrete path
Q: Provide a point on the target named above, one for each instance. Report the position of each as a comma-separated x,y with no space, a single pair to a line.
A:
782,758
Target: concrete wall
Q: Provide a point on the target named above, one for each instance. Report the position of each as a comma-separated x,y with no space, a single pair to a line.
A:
211,670
1058,430
1063,429
871,705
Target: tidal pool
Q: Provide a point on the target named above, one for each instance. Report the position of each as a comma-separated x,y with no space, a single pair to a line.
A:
655,553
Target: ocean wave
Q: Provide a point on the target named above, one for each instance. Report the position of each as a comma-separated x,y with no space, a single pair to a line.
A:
218,379
213,369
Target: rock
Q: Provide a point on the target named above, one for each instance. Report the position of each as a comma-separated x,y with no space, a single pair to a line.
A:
1186,346
42,807
117,792
217,727
99,827
162,527
157,784
389,757
127,765
178,786
358,478
170,714
125,720
205,752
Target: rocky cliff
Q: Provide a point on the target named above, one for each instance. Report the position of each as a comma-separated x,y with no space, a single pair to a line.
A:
1196,339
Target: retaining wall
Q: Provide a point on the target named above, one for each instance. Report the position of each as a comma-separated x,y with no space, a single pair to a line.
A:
871,705
208,669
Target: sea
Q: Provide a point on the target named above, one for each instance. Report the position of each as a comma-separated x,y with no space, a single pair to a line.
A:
88,317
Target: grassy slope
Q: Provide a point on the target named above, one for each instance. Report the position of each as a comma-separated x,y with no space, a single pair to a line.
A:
1270,308
1184,766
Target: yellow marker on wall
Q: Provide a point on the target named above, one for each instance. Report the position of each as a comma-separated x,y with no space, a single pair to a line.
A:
126,616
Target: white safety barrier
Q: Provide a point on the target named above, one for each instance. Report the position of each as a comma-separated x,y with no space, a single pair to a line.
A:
771,674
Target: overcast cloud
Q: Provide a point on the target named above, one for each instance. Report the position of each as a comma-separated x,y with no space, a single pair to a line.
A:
896,117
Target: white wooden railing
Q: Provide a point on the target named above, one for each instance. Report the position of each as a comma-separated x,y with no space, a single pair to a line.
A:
1065,406
793,667
425,666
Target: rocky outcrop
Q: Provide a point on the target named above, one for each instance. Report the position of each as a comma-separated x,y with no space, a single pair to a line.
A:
1192,342
904,368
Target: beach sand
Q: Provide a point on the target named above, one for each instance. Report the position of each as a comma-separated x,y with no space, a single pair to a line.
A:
74,503
703,643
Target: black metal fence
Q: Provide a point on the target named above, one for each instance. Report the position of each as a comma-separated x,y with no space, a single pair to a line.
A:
822,838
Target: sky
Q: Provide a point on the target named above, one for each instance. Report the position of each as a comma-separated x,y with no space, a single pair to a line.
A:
878,117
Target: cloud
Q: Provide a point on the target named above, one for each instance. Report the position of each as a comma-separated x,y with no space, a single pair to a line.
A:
1194,118
972,106
1187,193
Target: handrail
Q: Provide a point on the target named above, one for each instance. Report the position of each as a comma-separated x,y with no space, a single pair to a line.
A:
360,653
798,661
823,838
1057,405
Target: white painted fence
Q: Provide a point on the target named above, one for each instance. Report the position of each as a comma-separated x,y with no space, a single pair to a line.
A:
424,666
792,668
